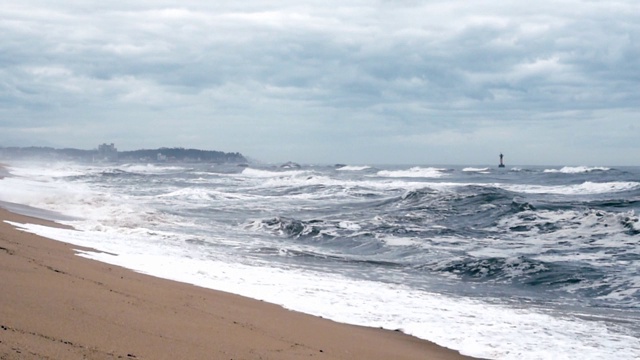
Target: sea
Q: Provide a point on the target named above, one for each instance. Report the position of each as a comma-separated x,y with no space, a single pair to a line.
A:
521,262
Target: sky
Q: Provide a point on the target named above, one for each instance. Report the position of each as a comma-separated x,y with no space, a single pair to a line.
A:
356,82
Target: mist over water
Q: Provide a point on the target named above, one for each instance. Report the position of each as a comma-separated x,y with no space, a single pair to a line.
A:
515,263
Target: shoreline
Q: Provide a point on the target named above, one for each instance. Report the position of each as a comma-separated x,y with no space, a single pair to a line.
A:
55,304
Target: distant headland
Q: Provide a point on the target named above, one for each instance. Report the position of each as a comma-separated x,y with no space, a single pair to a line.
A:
109,153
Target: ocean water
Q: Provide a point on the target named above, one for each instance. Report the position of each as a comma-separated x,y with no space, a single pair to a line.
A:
516,263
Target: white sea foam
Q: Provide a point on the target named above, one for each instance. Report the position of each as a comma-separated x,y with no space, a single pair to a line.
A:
472,327
353,168
577,169
415,172
350,225
597,232
149,168
400,241
201,196
37,169
304,178
478,170
586,188
49,195
250,172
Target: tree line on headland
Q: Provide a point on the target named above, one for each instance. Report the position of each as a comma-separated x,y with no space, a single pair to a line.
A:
108,153
182,154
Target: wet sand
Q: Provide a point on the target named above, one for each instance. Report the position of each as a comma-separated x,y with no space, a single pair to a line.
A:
56,305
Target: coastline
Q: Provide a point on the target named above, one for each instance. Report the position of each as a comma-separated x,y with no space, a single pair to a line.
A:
55,304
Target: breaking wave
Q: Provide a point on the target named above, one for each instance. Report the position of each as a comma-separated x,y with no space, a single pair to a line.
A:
577,169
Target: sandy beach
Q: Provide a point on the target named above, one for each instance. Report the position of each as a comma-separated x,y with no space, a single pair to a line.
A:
56,305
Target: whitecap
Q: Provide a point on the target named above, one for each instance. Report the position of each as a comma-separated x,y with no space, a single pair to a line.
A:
479,170
577,169
417,172
353,168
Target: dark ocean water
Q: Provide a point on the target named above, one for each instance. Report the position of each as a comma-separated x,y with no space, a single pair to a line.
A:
493,262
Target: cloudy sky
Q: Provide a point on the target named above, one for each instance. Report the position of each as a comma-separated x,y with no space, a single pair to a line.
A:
359,82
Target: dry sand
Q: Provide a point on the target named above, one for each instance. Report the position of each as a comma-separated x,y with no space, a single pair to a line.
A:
56,305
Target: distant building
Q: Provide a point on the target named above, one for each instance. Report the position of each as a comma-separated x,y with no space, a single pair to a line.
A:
107,152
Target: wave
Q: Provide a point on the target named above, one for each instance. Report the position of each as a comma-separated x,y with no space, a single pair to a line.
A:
114,173
576,169
271,174
414,172
586,188
149,168
353,168
559,225
494,268
323,257
46,172
289,227
526,272
600,285
189,194
478,170
202,197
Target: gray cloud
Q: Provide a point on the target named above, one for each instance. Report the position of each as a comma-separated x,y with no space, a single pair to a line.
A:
328,81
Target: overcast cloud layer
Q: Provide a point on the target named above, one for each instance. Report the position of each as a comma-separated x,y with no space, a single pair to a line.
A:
426,82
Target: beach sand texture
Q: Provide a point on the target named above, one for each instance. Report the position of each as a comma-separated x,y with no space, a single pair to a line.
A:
56,305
